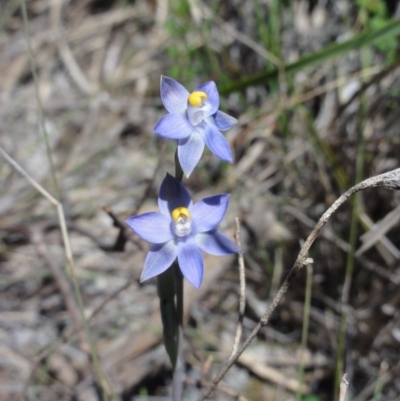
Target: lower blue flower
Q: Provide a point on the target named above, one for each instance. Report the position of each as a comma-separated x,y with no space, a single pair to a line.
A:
182,230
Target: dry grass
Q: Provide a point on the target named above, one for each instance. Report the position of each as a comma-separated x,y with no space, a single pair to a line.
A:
299,144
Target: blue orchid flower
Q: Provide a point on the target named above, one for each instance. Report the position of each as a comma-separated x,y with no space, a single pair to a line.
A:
194,120
182,230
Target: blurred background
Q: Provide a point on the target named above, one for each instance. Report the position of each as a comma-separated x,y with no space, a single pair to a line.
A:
315,85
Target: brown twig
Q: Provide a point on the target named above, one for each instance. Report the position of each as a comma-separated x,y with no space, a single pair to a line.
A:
119,243
242,296
390,180
123,237
330,236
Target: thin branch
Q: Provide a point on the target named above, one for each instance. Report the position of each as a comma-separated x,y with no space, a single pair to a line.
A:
124,232
122,237
39,100
242,296
390,180
70,262
31,181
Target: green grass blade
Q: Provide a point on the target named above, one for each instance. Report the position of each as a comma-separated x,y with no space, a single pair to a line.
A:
391,29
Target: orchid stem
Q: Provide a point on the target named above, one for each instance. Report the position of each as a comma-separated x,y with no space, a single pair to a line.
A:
166,292
179,293
178,167
177,385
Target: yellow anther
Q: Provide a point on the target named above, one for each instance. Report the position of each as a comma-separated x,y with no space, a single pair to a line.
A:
196,98
180,212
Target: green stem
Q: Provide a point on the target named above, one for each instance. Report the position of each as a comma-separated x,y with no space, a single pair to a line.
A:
166,292
178,168
179,293
389,30
304,334
177,386
356,206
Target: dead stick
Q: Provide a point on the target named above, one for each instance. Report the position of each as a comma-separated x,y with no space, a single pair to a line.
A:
242,296
343,387
390,180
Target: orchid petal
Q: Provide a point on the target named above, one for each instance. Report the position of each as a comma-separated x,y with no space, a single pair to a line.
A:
172,195
174,126
191,262
152,227
190,151
216,142
224,121
173,95
212,96
208,213
159,259
216,243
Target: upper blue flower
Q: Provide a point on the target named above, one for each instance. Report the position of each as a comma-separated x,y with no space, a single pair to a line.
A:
182,230
194,119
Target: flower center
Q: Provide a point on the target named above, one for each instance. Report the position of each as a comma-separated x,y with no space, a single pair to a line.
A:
196,98
197,105
181,222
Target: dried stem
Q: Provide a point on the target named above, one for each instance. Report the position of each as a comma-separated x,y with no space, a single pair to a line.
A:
70,261
242,296
343,387
390,180
39,100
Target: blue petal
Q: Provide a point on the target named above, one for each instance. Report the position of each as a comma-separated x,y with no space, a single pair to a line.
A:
173,95
159,259
191,262
224,121
152,227
172,195
216,142
209,212
190,151
216,243
174,126
212,93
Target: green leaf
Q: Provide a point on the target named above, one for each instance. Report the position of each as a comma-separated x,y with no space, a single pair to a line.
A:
310,397
389,30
